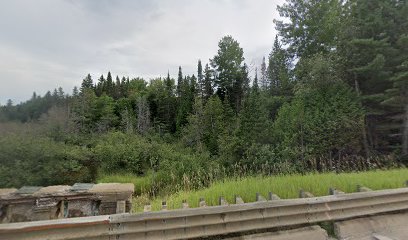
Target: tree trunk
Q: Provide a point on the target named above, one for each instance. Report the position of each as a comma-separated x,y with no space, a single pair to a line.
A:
405,132
364,130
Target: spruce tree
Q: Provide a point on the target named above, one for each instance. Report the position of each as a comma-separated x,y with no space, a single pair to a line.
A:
180,82
279,71
208,82
86,83
264,76
200,79
109,85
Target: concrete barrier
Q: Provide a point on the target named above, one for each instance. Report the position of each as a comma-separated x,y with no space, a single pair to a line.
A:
56,202
218,220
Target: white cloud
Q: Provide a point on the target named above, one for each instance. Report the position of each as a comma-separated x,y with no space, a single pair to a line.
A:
51,43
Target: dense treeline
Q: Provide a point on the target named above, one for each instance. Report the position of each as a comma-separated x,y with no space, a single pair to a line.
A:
332,95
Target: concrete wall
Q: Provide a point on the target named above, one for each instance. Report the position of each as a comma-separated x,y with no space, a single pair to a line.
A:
56,202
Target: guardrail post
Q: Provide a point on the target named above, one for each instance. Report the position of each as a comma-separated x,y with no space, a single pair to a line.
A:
147,208
363,189
304,194
222,201
164,205
202,202
259,197
238,200
272,196
334,191
184,204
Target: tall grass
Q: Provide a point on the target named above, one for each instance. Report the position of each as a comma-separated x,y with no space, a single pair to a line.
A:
142,184
286,186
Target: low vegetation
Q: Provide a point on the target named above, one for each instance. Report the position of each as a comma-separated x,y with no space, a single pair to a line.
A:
285,186
330,98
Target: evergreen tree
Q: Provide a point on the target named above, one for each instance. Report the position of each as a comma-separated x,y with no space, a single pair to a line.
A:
264,76
279,71
103,115
255,86
86,83
213,124
100,86
109,85
82,111
208,82
200,79
180,82
169,84
75,91
397,96
369,51
228,66
117,88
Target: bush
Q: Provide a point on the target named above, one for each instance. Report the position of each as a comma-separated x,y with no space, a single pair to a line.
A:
170,165
29,160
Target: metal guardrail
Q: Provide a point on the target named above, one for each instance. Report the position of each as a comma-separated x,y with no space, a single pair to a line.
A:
210,221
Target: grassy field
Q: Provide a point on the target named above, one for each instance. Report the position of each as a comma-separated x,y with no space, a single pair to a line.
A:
284,186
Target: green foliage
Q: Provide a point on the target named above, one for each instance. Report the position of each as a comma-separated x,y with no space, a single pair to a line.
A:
230,71
168,165
319,123
312,26
35,160
285,186
280,82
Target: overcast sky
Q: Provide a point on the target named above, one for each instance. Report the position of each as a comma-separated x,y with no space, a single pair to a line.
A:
49,43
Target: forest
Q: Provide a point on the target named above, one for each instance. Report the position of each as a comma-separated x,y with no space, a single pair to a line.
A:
331,96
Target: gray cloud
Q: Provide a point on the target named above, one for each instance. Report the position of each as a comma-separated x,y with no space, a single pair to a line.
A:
49,43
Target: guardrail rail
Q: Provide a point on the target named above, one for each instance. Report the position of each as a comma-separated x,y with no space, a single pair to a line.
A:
215,220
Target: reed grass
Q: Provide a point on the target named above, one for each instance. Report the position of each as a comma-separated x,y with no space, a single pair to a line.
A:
285,186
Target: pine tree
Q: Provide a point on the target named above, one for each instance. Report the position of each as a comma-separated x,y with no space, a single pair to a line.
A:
169,84
264,76
208,83
255,86
179,82
100,86
117,88
369,51
87,83
109,85
75,91
279,71
200,79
